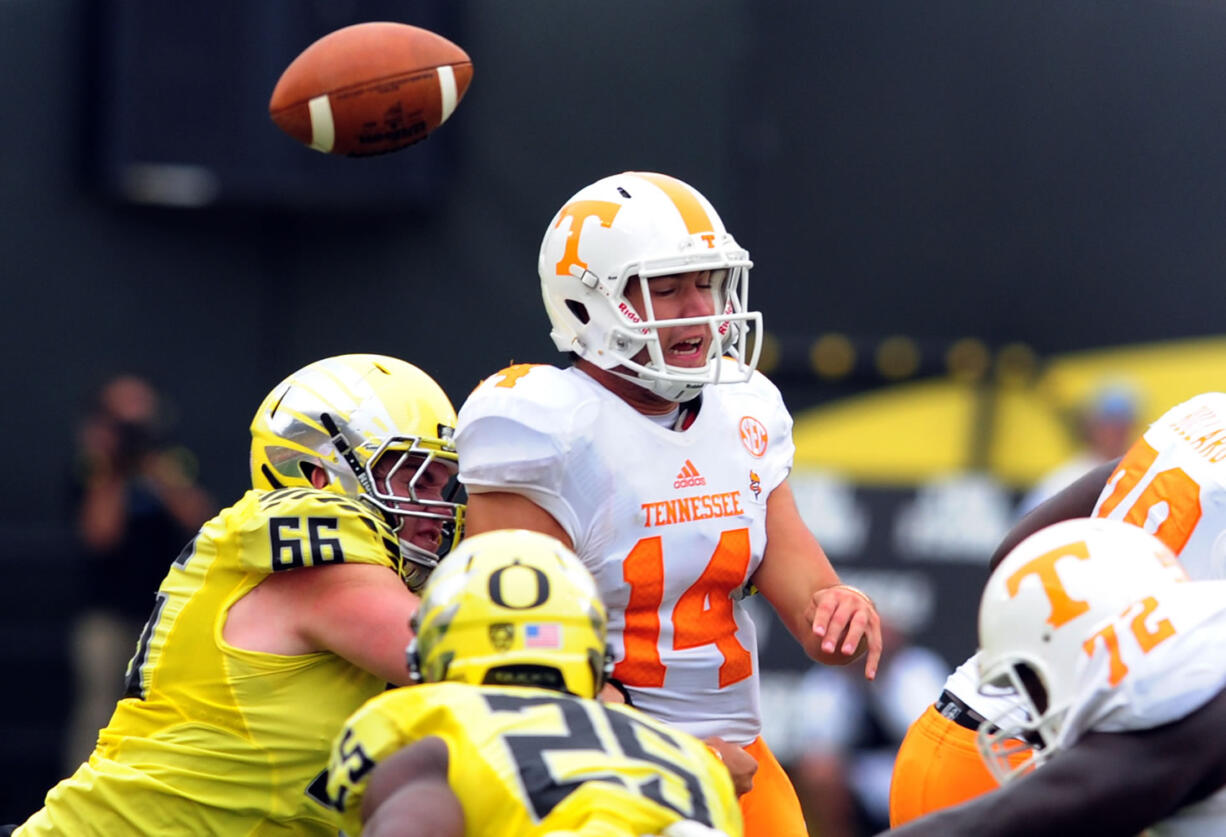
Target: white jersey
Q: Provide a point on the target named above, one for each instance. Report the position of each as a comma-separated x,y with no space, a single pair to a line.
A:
1156,670
671,523
1172,482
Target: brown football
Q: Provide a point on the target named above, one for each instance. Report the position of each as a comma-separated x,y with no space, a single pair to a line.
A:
370,88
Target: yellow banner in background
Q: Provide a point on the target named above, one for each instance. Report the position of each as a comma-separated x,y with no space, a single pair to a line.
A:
1015,430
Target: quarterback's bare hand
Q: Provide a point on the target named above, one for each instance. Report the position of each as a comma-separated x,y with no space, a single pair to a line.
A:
740,764
845,620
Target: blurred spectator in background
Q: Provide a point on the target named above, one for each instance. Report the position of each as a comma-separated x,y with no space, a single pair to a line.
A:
135,503
850,731
1106,426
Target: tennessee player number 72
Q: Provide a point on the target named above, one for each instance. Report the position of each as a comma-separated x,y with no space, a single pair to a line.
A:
1147,638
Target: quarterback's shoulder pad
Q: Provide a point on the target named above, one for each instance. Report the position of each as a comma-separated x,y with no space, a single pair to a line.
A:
533,394
520,425
763,389
762,423
757,399
757,394
305,527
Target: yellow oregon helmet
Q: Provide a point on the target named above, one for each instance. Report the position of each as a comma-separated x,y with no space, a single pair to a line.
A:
511,608
345,415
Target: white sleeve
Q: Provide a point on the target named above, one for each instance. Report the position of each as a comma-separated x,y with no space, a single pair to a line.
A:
533,439
502,454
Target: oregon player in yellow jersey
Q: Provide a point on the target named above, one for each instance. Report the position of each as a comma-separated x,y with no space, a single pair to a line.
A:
504,738
285,613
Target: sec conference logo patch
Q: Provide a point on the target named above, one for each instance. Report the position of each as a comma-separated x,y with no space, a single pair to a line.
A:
753,436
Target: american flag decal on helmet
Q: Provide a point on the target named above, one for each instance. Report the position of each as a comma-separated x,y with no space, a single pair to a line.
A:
543,635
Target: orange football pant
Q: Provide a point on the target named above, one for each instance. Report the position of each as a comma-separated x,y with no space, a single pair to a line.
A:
938,766
771,809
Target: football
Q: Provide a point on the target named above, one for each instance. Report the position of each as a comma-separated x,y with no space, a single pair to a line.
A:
370,88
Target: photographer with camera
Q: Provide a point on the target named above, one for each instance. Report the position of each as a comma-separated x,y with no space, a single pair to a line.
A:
135,502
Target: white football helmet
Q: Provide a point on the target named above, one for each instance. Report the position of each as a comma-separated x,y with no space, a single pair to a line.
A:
348,415
635,226
1041,604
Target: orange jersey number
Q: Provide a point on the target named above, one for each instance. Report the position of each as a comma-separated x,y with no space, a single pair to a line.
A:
1169,507
702,616
1147,638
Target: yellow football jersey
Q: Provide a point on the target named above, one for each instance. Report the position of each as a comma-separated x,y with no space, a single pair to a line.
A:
531,761
213,739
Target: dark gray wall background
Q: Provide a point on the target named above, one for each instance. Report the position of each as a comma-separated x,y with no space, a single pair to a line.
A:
1045,172
1048,172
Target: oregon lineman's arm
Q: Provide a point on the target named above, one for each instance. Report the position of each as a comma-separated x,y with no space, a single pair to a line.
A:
357,611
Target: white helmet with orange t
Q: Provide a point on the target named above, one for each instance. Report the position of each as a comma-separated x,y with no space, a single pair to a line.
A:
632,227
1040,605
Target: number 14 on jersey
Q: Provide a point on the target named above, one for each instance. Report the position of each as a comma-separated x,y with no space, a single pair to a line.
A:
703,615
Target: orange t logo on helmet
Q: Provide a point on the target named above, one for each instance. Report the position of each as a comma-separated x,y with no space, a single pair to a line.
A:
579,212
695,217
1063,607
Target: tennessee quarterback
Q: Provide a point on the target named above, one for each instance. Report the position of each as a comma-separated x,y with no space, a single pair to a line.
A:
503,737
661,457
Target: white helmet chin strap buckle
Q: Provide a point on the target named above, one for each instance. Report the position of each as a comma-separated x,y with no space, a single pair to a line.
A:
674,391
669,390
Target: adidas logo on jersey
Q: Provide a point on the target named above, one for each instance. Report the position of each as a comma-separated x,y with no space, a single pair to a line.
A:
689,476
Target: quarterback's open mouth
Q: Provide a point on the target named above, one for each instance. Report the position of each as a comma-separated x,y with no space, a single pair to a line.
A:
686,352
